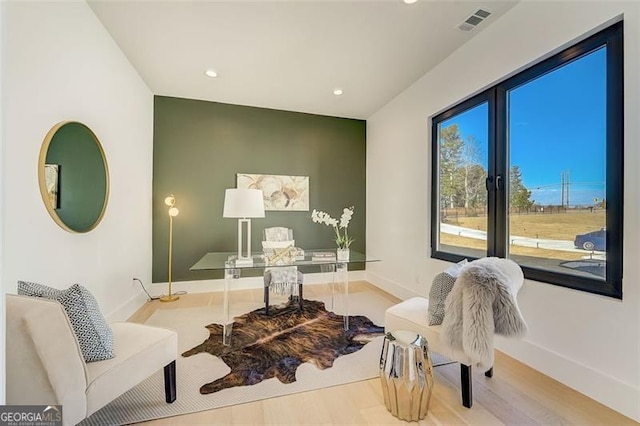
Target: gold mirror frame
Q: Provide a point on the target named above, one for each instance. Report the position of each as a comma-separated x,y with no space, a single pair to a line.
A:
42,181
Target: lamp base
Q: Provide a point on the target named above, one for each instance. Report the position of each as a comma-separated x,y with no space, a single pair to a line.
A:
244,261
169,298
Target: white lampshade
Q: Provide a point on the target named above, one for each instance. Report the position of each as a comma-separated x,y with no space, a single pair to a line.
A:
243,203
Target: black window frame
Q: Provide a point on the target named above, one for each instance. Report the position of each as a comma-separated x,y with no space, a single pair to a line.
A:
497,172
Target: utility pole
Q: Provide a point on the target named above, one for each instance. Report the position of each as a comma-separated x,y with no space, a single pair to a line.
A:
568,187
562,188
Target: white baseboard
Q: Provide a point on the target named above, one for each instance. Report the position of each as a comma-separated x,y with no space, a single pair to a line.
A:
391,286
205,286
619,396
128,308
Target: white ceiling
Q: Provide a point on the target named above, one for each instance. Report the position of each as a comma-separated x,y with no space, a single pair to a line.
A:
290,55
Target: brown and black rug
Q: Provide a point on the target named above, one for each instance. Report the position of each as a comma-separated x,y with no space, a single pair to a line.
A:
263,347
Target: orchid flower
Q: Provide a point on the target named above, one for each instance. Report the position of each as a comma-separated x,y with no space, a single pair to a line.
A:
342,238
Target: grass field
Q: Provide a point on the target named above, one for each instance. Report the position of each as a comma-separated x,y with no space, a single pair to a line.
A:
562,226
457,241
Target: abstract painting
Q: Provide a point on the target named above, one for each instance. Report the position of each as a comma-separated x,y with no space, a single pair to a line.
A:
280,192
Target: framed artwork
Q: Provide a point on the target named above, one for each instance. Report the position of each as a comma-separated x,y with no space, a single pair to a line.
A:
280,192
52,181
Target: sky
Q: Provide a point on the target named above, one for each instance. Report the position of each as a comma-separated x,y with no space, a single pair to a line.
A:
557,125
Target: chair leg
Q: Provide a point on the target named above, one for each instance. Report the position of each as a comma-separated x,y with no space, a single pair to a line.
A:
465,385
170,382
489,373
300,295
266,300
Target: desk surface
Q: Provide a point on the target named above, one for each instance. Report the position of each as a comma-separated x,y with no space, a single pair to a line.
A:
220,261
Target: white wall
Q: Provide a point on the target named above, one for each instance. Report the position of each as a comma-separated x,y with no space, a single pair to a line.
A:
2,179
61,64
588,342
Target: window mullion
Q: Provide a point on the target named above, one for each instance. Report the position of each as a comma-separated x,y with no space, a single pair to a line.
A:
496,226
501,160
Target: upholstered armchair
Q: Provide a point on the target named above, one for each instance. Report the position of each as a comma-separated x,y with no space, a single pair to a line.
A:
286,280
480,303
45,365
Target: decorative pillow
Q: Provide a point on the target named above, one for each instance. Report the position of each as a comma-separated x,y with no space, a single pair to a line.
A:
440,289
278,244
91,329
37,290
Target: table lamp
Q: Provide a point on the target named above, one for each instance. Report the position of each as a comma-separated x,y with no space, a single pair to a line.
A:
173,212
243,204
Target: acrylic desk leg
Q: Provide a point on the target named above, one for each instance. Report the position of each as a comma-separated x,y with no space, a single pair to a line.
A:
343,276
330,268
227,326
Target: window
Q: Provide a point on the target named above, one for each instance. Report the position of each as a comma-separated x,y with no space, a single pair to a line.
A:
532,169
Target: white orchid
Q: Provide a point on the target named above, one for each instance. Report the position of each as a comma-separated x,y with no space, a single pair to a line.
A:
322,217
346,217
343,240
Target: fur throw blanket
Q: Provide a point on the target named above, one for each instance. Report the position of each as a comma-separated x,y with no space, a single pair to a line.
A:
483,302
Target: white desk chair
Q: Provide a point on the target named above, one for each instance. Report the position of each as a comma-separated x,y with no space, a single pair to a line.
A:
282,279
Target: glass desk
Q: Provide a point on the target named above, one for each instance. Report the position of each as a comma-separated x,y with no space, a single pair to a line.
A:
226,262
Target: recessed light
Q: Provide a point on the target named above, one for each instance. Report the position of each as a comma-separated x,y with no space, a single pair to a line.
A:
409,1
211,73
337,92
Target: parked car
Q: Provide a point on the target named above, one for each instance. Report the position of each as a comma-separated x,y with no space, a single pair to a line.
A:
596,240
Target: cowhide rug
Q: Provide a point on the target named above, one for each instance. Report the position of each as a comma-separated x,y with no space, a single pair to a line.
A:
263,346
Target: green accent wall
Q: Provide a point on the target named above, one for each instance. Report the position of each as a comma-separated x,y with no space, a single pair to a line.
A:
200,146
82,176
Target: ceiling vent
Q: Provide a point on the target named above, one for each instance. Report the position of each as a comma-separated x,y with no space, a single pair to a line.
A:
472,21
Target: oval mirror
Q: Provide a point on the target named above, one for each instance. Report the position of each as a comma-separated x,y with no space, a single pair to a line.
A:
73,176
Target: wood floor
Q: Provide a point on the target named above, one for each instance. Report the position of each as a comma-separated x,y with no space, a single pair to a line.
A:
516,395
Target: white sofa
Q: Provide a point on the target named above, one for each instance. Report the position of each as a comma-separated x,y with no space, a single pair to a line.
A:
412,315
45,365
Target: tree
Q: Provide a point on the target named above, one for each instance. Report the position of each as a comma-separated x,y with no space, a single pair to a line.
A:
462,176
519,195
474,193
450,157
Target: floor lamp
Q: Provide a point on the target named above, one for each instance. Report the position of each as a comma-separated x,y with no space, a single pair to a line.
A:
243,204
173,212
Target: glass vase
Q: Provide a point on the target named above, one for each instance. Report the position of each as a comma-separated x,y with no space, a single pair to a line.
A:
342,255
